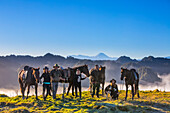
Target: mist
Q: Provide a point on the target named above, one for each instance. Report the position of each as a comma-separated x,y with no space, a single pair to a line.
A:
161,86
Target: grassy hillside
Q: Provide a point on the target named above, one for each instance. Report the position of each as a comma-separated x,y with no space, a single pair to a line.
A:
150,101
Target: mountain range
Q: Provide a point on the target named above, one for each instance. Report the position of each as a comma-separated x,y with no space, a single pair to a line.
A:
103,56
148,68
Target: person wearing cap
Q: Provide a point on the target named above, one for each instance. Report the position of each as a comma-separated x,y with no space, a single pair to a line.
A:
95,81
77,82
112,89
46,82
56,76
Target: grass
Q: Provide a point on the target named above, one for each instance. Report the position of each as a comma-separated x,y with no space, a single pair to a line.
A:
150,101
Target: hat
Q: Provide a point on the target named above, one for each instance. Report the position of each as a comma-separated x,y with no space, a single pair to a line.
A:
56,65
96,65
113,80
45,68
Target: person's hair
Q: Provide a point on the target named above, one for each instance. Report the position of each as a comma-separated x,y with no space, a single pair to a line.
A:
44,71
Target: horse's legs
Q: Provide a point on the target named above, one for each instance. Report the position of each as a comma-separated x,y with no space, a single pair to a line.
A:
22,91
69,88
132,91
138,92
36,87
28,91
21,88
137,89
72,89
126,92
103,88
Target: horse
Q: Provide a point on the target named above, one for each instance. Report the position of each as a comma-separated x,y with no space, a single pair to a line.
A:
31,79
69,74
132,79
101,78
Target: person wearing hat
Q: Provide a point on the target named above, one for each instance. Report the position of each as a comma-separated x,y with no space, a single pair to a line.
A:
112,89
56,76
77,82
95,81
46,82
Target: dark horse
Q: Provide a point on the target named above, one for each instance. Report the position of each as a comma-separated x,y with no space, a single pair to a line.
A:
101,78
131,78
32,78
70,73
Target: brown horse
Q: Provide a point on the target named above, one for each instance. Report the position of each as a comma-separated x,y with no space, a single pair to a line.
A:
31,79
132,79
69,74
101,78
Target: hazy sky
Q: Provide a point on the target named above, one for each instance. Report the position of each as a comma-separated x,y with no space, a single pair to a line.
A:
134,28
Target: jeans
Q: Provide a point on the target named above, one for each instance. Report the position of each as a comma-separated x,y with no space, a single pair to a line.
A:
47,88
54,88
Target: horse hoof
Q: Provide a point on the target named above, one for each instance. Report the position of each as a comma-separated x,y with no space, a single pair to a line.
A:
37,99
27,98
23,98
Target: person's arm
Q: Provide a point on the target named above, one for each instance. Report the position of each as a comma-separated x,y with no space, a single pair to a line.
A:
51,73
42,76
83,78
60,75
107,89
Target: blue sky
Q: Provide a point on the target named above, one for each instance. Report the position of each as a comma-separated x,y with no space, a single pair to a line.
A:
135,28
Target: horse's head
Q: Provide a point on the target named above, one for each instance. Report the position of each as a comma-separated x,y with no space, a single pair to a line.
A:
36,74
102,68
84,69
123,73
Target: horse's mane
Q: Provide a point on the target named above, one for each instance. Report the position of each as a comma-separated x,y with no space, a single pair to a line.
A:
79,66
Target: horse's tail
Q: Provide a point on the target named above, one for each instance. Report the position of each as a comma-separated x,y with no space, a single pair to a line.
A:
136,89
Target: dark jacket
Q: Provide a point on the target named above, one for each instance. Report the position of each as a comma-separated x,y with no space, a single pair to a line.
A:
55,75
112,88
78,78
46,77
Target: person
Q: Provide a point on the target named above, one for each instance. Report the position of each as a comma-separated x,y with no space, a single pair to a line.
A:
95,80
112,89
56,76
77,82
46,82
25,71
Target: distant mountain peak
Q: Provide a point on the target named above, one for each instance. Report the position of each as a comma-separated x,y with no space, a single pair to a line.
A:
100,56
48,55
125,59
